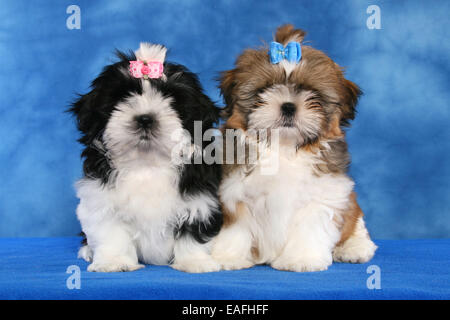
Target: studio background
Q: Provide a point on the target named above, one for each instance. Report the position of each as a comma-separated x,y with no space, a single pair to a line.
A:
399,141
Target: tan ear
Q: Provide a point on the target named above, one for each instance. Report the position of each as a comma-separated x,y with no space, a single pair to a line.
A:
334,128
349,101
235,121
227,84
287,33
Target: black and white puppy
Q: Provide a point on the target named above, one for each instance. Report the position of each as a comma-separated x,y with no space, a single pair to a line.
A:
138,205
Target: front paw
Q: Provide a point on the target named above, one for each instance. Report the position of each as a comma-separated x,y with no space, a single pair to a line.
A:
355,251
196,266
85,253
116,265
237,264
232,263
304,264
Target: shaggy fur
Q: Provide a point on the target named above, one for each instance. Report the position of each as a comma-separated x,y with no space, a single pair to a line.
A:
304,214
138,205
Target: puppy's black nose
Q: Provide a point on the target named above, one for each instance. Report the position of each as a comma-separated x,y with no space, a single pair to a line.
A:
288,109
145,121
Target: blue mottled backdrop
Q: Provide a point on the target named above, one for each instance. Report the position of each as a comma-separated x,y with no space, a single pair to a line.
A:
399,141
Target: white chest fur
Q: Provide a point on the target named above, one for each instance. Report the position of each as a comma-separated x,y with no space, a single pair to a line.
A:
142,202
275,201
146,195
147,199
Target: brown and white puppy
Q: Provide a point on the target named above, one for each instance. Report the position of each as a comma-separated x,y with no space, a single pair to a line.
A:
305,215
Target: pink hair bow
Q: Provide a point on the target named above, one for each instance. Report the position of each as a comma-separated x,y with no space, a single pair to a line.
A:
146,70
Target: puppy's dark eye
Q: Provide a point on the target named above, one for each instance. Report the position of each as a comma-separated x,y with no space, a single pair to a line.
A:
305,87
314,96
260,90
299,87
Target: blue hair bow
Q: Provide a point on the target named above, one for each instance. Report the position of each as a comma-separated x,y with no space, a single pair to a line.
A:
292,52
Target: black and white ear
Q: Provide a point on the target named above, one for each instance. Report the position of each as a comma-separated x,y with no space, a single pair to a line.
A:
211,113
89,118
194,105
91,123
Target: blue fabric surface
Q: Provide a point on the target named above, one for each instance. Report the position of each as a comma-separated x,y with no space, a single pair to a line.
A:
35,268
399,141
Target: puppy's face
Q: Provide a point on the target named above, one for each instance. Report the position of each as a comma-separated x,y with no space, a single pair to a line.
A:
304,101
125,118
142,122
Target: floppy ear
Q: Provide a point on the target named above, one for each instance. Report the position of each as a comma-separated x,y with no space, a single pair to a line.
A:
192,104
210,112
90,123
90,120
227,85
287,33
349,101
